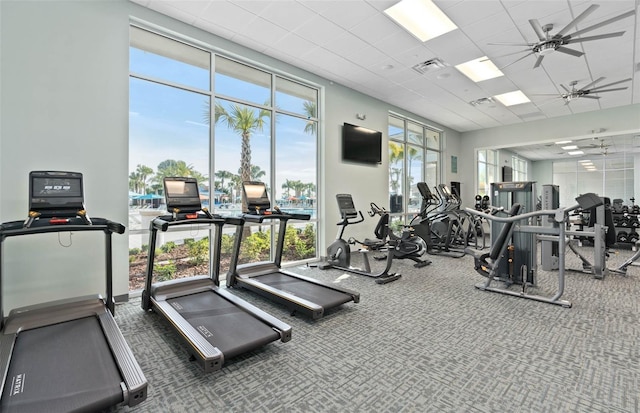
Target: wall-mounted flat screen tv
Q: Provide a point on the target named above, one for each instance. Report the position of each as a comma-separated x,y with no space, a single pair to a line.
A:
361,145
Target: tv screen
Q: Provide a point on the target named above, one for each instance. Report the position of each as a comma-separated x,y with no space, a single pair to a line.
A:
361,144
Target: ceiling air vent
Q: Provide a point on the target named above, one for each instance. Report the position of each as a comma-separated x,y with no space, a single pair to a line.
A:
430,65
481,101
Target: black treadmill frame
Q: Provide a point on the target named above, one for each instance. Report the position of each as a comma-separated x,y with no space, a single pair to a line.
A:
155,296
41,315
247,275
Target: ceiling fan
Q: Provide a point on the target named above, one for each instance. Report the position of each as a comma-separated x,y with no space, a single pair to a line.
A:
585,92
548,43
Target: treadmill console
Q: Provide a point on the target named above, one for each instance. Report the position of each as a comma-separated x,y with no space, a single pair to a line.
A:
56,195
183,198
257,198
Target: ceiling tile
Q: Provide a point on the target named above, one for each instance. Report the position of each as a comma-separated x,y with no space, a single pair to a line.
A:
354,43
288,14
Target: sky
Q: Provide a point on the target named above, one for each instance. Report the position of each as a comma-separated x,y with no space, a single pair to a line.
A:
170,123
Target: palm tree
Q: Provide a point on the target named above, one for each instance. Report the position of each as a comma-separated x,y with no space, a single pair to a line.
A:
412,153
144,172
244,120
309,108
134,182
396,154
223,175
287,187
172,167
256,173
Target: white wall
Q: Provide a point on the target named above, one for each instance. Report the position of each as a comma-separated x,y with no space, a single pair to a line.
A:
542,174
64,107
64,77
614,121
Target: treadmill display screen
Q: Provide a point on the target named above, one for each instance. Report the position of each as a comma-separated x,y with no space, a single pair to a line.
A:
182,193
60,191
256,195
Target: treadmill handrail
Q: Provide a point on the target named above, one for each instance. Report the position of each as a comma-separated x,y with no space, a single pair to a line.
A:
164,222
42,226
15,228
258,218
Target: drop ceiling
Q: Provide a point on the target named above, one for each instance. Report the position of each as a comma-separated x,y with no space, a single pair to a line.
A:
353,43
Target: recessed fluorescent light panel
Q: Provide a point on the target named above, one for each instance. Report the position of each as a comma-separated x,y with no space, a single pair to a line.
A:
479,69
421,18
563,142
512,98
575,153
570,147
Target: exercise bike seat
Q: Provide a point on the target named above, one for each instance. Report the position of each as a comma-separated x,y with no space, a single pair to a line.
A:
373,244
381,232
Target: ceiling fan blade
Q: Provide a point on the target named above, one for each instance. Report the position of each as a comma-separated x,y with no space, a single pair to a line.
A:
604,23
608,84
590,97
592,83
507,54
538,61
546,102
569,51
577,20
589,38
516,61
538,29
566,89
607,90
512,44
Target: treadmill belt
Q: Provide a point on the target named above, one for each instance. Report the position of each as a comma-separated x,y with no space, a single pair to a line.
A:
323,296
229,328
62,368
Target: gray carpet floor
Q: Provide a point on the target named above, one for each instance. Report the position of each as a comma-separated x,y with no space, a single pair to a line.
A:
429,342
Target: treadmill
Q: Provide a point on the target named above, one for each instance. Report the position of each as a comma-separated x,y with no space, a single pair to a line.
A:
66,355
214,324
300,294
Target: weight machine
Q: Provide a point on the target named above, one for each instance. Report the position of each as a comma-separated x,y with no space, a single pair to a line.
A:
490,264
597,232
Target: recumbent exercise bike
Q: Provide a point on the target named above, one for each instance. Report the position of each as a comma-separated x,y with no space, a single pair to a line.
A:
407,246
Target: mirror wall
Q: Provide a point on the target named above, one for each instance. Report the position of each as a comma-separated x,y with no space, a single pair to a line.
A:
601,163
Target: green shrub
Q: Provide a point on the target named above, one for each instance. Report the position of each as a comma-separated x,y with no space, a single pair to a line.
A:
256,246
198,251
134,251
299,244
226,247
168,246
165,272
144,248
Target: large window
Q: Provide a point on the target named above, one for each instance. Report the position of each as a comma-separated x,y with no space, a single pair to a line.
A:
520,172
487,170
414,156
196,113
